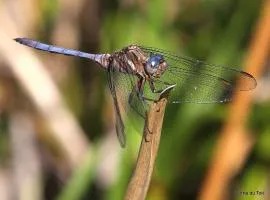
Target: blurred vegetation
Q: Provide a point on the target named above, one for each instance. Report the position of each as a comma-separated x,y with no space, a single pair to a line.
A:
216,31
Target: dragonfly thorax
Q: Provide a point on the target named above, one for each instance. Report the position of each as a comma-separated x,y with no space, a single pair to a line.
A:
130,60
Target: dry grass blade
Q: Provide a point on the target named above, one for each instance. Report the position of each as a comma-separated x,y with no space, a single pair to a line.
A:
26,165
235,143
42,91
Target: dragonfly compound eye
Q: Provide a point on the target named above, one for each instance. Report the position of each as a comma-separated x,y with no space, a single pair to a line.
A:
156,65
153,63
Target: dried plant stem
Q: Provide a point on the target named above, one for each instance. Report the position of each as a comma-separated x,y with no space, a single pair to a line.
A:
36,81
235,143
26,164
140,180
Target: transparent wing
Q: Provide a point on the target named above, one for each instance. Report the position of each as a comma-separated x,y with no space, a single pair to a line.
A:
199,82
127,94
127,105
119,124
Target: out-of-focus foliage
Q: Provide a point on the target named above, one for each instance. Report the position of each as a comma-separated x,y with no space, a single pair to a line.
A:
216,31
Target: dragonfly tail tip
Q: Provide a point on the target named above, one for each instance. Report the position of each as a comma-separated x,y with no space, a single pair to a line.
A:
17,39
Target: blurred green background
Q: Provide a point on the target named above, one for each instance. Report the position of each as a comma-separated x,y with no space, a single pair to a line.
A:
219,32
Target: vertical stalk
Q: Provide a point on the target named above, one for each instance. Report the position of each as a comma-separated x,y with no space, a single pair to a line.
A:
140,180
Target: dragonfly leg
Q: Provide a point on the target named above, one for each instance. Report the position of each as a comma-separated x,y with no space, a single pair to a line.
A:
140,87
154,90
168,88
136,99
138,90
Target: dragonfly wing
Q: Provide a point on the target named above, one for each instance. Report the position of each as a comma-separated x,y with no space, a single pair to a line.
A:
138,106
119,124
200,82
127,105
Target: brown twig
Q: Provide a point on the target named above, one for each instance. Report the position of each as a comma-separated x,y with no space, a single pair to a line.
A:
235,143
140,180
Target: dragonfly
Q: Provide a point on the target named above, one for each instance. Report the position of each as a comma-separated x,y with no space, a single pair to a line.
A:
139,75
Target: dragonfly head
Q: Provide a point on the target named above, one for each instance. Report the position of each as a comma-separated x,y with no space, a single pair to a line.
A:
156,65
